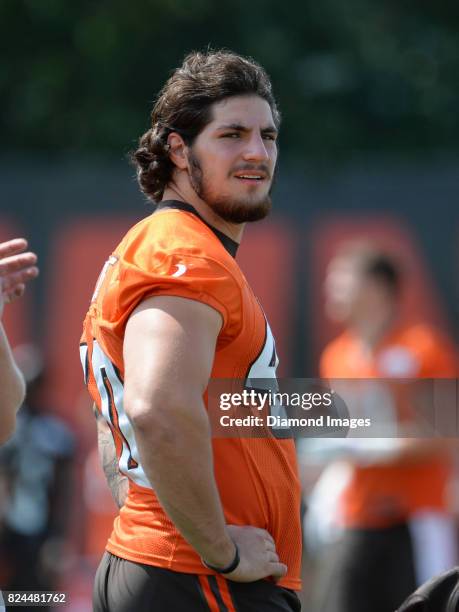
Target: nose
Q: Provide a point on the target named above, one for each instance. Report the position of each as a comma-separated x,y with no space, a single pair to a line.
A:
256,149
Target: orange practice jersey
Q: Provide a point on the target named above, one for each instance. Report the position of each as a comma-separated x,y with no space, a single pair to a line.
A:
174,252
382,495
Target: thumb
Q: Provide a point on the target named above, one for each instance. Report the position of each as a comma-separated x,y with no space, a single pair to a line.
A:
279,570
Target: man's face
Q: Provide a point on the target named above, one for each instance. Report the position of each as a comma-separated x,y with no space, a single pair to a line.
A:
232,161
346,290
351,295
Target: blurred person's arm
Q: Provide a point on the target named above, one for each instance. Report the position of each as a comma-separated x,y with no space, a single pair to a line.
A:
433,396
394,440
406,450
12,388
117,482
16,268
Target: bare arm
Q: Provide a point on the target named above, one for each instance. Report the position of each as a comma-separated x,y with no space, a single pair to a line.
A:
117,482
15,269
12,388
169,351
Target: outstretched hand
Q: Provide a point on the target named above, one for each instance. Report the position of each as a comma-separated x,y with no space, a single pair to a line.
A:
16,268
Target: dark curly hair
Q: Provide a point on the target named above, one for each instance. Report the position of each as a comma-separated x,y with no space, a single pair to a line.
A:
184,106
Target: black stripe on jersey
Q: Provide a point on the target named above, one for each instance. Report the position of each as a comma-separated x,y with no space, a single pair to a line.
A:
118,373
109,391
216,591
259,352
272,363
132,463
86,364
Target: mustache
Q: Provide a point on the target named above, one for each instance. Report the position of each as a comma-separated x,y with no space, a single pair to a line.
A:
263,168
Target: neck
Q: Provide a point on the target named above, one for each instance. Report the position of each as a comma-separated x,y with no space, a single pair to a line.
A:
188,195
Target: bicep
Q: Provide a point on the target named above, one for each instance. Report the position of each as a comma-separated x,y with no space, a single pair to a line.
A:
169,348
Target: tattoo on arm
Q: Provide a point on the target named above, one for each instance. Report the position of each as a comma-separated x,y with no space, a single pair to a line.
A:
117,482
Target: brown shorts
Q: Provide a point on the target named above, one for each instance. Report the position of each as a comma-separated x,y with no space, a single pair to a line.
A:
124,586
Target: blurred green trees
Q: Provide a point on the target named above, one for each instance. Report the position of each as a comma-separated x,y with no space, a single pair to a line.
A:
349,75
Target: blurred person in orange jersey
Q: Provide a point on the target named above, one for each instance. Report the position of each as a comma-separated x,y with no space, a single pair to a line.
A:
393,510
16,268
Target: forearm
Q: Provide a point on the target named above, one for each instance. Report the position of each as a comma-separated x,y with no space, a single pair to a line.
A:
117,482
392,451
176,455
12,388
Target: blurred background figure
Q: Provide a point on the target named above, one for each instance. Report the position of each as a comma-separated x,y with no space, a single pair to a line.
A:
16,268
385,501
36,468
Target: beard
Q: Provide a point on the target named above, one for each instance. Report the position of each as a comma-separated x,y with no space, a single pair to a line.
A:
230,208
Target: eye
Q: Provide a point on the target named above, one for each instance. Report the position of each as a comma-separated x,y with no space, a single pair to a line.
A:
269,137
231,135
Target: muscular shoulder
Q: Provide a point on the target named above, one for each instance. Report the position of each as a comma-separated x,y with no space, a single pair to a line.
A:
170,253
169,232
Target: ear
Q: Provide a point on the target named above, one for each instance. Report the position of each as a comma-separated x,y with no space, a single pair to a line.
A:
177,150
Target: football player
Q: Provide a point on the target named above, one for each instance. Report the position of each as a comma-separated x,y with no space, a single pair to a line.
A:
207,523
